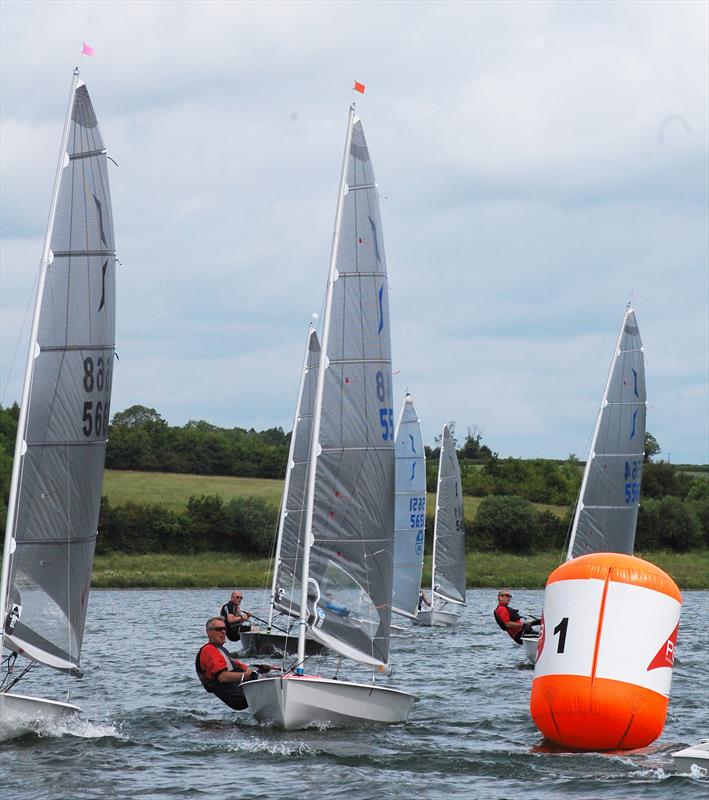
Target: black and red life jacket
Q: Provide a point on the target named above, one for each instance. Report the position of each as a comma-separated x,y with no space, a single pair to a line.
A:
514,617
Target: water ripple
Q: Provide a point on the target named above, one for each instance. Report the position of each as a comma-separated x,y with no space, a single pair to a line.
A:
149,731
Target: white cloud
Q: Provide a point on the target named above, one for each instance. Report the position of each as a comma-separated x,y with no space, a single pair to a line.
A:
540,162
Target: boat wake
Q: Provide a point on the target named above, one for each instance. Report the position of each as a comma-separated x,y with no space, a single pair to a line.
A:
652,773
254,745
72,726
81,729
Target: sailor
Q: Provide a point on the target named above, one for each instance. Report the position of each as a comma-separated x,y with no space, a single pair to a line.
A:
330,604
221,674
510,620
423,600
236,620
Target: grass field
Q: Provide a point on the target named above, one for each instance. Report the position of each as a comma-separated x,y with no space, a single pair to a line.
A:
689,570
173,490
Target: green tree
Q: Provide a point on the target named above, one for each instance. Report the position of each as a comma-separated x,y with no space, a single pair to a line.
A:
137,416
662,479
8,434
473,448
253,525
506,523
679,529
552,531
697,501
652,447
209,523
647,530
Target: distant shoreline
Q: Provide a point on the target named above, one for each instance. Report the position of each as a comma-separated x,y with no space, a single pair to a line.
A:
484,570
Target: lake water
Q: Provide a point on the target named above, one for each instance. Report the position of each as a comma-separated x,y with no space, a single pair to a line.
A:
149,730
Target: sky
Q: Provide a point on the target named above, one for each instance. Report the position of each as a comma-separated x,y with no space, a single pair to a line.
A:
540,164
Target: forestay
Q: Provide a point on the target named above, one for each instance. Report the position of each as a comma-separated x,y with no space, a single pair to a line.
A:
351,558
607,511
449,529
289,549
410,510
68,390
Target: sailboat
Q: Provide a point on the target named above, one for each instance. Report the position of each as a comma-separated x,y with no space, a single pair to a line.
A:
607,509
344,562
448,566
410,510
276,638
57,471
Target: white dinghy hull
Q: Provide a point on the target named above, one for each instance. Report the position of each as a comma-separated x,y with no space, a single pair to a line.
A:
530,648
693,758
437,618
294,703
20,714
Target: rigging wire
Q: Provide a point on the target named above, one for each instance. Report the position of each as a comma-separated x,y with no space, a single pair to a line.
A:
20,336
10,661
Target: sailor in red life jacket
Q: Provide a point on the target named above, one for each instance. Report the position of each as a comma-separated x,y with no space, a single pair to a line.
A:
221,674
510,620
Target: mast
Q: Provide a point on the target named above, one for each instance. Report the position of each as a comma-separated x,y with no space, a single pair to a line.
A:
592,452
286,485
319,391
435,521
8,549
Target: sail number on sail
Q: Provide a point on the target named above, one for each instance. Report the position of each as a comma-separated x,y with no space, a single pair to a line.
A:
417,505
97,377
632,481
386,415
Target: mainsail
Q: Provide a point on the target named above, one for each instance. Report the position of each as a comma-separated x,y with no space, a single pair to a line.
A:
61,441
289,547
350,511
607,510
448,565
409,510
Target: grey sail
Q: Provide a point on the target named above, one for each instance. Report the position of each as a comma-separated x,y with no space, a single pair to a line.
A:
351,557
449,529
289,560
62,443
409,510
607,511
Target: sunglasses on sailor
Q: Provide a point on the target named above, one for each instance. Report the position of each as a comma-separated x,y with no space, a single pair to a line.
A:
216,628
504,595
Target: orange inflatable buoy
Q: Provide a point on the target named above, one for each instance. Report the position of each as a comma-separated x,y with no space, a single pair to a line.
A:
605,653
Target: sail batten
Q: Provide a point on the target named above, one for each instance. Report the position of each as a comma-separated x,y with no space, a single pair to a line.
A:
607,509
59,458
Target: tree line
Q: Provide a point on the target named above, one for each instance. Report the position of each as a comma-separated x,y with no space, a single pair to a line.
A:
674,509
